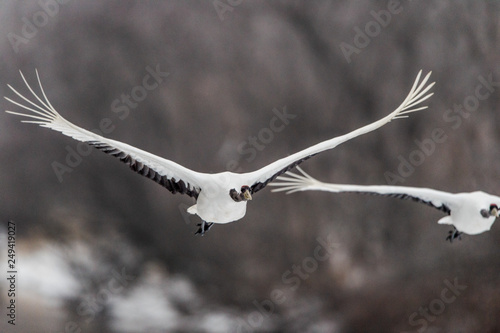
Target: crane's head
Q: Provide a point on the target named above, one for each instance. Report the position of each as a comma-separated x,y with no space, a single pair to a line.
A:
492,211
245,190
244,194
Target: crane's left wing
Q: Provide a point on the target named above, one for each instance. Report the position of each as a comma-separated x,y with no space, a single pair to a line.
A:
260,178
440,200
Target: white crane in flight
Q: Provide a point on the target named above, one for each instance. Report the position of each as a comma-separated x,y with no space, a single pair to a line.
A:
220,197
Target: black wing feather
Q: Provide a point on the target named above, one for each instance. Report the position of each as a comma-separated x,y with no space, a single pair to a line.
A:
403,196
260,185
172,184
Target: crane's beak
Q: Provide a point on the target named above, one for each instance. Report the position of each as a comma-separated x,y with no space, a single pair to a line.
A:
494,212
247,195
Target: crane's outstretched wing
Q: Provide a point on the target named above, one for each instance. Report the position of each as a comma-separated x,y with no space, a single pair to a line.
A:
260,178
174,177
440,200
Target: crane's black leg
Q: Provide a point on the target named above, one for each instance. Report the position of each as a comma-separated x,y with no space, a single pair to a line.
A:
453,234
204,226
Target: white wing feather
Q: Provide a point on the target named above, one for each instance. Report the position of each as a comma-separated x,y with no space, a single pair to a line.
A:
295,183
416,96
45,115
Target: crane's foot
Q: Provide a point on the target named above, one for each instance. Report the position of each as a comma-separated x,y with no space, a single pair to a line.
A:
453,234
204,226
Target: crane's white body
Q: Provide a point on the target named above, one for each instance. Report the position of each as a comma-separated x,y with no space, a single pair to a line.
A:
214,204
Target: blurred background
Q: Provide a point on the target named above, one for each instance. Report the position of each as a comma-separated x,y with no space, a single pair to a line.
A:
101,249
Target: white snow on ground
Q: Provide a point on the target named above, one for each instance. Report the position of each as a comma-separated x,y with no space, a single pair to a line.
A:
46,280
44,274
152,302
146,307
150,307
